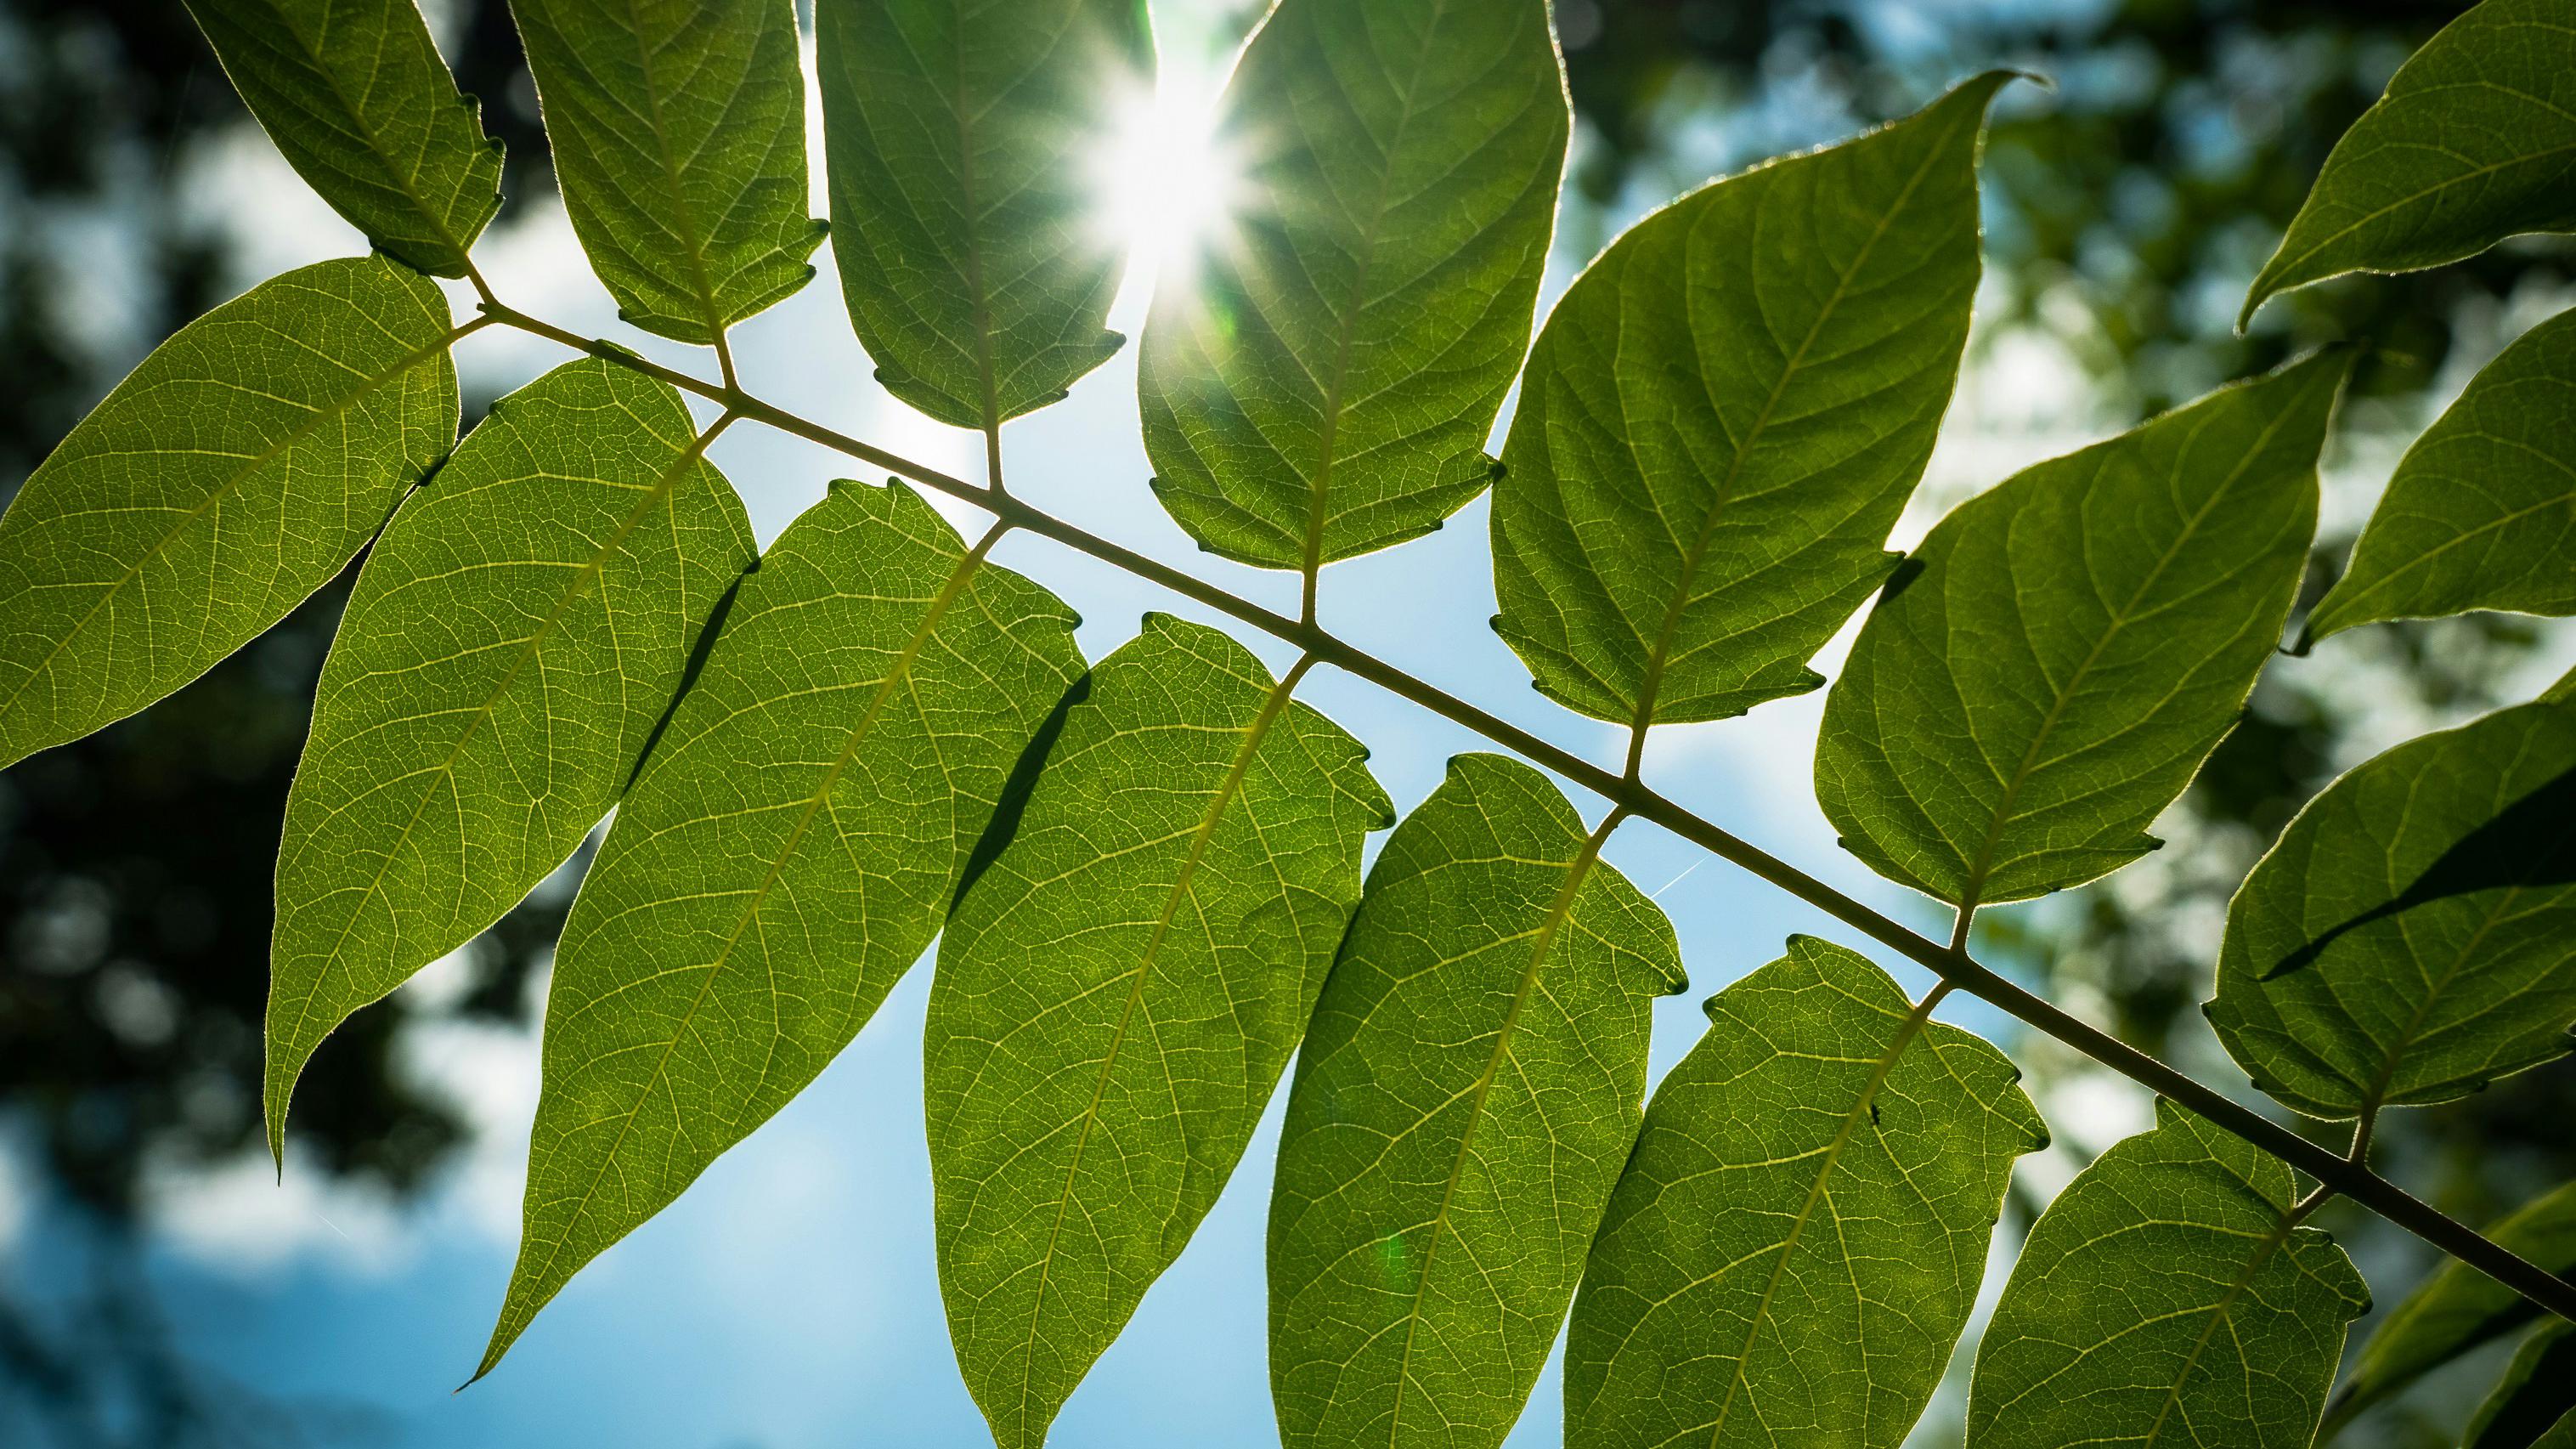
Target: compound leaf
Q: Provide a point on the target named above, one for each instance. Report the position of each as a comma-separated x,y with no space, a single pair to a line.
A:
1326,383
232,474
2456,1310
1797,1240
2168,1296
679,144
788,851
2536,1391
506,653
355,96
963,140
2053,663
1464,1101
2474,142
1117,994
1723,417
2481,513
2408,940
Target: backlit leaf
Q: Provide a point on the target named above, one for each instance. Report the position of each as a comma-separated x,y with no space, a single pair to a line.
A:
2474,142
1116,997
2167,1298
788,852
1324,382
355,96
2481,513
1797,1240
679,144
2537,1390
506,653
965,140
1464,1101
1723,417
2409,938
2457,1309
232,474
2057,658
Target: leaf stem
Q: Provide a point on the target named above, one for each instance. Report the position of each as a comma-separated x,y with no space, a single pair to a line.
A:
1951,963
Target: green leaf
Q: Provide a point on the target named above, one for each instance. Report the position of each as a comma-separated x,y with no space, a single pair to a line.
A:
2049,669
2481,513
1800,1234
2167,1296
506,653
2538,1390
2564,691
787,853
964,140
2474,142
355,96
679,145
1117,994
2456,1310
2561,1435
1723,417
2409,938
1463,1104
196,507
1326,383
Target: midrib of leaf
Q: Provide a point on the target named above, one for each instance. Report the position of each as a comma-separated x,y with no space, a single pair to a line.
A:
1906,1032
403,180
2373,1098
959,106
2218,1312
692,242
1660,651
224,490
1984,861
526,651
1558,911
1318,494
901,670
1236,773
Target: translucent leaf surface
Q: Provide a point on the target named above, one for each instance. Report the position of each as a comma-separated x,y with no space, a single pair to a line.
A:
2456,1309
2050,667
789,850
2536,1391
2409,938
1116,997
359,103
507,651
1463,1104
1324,382
195,507
679,144
2481,513
2474,142
2166,1298
1723,417
1799,1236
966,143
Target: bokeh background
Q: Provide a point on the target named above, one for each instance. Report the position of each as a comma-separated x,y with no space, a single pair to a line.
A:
159,1288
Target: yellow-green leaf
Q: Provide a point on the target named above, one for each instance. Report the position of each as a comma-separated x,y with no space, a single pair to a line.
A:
507,651
1322,381
1723,417
232,474
1117,994
787,853
1464,1101
1797,1240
